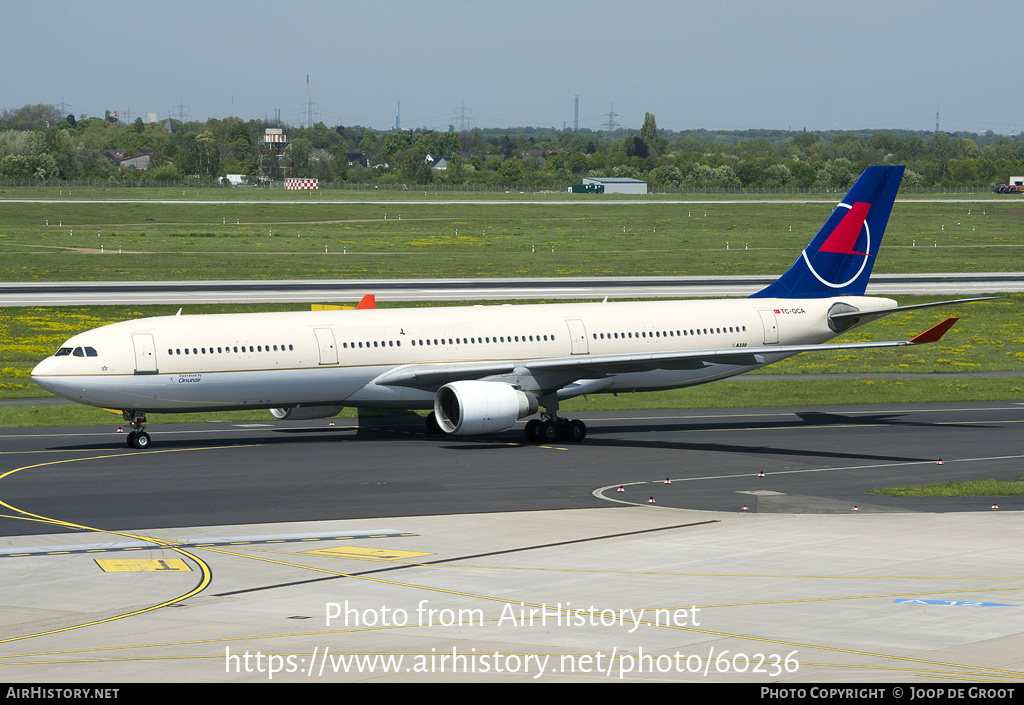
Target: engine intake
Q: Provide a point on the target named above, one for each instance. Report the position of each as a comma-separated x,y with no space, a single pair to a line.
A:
470,407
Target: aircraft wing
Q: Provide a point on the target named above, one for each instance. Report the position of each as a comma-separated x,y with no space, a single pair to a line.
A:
553,373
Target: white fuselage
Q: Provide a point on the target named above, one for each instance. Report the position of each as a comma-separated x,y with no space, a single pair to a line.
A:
275,360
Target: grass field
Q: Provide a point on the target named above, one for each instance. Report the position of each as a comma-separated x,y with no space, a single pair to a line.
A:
282,240
286,240
989,337
439,192
978,488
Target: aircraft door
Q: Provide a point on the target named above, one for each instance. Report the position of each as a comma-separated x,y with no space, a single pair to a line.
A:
578,336
328,348
771,326
145,354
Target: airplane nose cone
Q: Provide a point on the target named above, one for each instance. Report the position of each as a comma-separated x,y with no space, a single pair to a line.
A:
43,375
41,369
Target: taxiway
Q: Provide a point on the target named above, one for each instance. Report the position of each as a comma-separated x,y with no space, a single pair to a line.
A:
234,539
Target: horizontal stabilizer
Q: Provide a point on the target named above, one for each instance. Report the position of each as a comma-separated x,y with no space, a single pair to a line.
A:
878,313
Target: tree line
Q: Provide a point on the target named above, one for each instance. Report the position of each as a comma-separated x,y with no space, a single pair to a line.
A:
39,144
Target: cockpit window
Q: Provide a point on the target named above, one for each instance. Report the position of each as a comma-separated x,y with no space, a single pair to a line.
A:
91,352
62,352
78,352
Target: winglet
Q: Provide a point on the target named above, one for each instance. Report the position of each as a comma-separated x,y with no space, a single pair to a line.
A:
368,301
934,333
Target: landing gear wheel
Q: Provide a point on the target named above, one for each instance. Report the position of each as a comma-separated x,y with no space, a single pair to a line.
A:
433,427
547,432
137,437
532,430
575,431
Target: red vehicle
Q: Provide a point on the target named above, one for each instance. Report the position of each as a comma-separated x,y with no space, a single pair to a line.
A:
1016,185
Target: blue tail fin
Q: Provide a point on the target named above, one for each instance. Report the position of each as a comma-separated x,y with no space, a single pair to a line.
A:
838,260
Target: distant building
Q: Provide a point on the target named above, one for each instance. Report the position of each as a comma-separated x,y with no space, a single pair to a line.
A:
138,163
535,154
618,184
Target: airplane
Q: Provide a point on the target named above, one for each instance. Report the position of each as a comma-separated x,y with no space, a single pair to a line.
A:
480,369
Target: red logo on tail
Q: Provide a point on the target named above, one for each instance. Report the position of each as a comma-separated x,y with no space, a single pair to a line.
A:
844,237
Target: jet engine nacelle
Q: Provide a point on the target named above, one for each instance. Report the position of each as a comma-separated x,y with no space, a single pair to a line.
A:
300,413
470,407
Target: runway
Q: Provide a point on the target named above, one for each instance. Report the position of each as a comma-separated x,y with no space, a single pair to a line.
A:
302,291
234,539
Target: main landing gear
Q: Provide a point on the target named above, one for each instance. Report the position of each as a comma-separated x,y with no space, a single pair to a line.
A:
137,437
550,427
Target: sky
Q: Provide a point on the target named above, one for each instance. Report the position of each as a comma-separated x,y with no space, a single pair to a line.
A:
721,65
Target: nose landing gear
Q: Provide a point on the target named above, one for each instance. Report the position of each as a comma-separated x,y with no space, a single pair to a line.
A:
137,437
